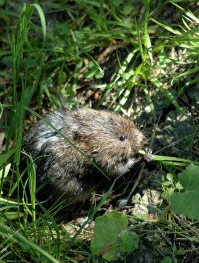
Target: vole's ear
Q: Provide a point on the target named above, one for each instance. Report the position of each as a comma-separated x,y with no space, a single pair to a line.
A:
79,136
76,136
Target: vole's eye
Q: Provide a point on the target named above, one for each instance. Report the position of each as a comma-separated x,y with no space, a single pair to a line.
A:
123,137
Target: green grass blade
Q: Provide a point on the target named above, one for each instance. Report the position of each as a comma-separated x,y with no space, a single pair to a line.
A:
4,157
28,245
168,28
42,18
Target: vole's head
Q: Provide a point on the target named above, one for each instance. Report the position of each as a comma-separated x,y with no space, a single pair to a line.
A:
109,139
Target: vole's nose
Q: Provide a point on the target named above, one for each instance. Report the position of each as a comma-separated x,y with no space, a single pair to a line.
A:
141,139
145,141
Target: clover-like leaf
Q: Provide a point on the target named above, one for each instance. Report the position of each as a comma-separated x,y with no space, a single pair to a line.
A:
112,237
186,202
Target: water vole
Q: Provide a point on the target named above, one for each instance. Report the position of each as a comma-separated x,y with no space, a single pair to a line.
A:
108,139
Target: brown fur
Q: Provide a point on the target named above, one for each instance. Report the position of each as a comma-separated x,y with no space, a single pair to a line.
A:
109,140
